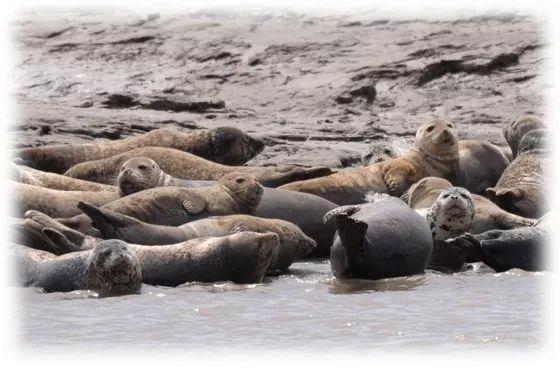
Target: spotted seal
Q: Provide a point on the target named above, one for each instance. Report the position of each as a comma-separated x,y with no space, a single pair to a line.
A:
434,153
110,268
514,131
226,145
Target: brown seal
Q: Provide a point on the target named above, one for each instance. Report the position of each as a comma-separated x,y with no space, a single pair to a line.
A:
110,268
524,187
488,216
514,131
184,165
480,165
243,257
234,193
55,203
27,175
434,153
226,145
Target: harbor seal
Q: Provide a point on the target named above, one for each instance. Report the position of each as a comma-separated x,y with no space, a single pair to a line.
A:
378,240
294,244
480,165
55,203
514,131
488,216
381,151
524,185
225,145
110,268
303,209
243,257
234,193
434,153
184,165
27,175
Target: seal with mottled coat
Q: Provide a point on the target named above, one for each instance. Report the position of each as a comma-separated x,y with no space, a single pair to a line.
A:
514,131
226,145
434,153
381,239
303,209
109,269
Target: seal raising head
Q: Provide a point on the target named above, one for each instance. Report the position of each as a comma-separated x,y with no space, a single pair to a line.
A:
232,143
113,269
452,214
244,188
437,139
138,174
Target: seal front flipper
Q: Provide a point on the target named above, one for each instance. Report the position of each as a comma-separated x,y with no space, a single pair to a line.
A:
351,233
397,179
194,205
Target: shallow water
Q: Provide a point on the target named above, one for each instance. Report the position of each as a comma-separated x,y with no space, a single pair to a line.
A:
306,310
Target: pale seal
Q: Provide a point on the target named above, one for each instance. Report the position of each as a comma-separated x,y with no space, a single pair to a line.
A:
434,153
525,184
27,175
55,203
488,216
188,166
234,193
514,131
242,257
381,151
303,209
110,268
480,165
378,240
226,145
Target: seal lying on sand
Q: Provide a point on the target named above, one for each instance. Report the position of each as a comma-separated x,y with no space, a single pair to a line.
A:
434,153
488,216
377,240
523,248
514,131
173,206
294,244
480,165
55,203
226,145
110,268
188,166
525,184
303,209
242,257
27,175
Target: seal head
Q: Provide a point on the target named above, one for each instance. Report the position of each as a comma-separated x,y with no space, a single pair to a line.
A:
138,174
515,131
452,214
534,141
244,188
437,139
232,145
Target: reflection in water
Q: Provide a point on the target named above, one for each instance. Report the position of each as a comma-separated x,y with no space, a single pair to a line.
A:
354,286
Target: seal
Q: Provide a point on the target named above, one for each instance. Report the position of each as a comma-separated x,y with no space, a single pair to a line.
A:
378,240
242,257
110,268
525,184
488,216
55,203
226,145
381,151
480,165
173,206
303,209
434,153
523,248
188,166
514,131
27,175
294,244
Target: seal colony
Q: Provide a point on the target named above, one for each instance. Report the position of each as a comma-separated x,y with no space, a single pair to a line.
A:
165,208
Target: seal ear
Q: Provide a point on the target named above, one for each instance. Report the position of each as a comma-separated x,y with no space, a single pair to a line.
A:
343,210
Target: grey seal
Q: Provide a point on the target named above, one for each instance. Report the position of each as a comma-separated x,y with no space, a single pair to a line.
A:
514,131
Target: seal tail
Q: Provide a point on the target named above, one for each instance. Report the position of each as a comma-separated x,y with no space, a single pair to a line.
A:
107,222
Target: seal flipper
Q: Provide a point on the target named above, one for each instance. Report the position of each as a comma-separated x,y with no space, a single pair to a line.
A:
351,233
110,224
342,210
60,242
504,197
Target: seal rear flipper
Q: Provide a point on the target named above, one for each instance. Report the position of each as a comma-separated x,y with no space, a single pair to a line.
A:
110,224
351,233
36,217
59,242
504,197
342,210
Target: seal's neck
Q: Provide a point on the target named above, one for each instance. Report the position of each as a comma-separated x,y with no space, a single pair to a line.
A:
444,164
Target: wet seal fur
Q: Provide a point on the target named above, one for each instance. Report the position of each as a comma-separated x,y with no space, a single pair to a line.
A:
243,257
514,131
303,209
110,268
434,153
55,203
226,145
381,239
524,185
184,165
173,206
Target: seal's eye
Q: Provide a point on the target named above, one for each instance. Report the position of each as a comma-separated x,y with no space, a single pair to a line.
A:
430,128
449,125
464,196
142,167
239,180
387,151
445,196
